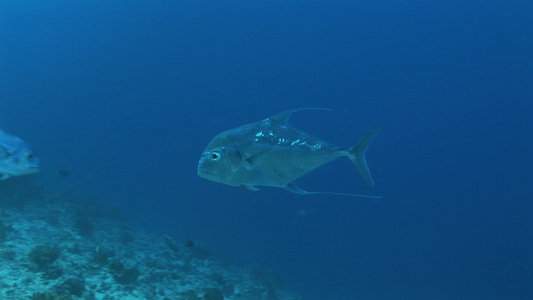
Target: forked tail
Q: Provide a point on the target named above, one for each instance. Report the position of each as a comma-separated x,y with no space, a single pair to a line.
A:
357,154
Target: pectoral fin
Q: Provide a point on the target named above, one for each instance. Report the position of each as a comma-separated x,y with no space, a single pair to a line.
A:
250,157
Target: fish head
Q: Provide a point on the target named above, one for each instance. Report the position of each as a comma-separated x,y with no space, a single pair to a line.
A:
17,159
220,160
216,164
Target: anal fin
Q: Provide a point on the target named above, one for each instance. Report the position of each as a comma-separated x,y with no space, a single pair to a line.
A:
250,187
291,186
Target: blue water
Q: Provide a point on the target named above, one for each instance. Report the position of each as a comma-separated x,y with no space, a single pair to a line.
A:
125,95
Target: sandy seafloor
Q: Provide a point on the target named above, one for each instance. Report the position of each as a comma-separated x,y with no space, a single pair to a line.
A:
67,246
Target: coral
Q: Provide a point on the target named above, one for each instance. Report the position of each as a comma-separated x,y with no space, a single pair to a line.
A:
189,295
115,265
4,230
116,262
44,255
228,289
189,243
102,254
126,237
218,278
127,276
49,296
122,274
52,272
213,294
83,225
73,286
7,254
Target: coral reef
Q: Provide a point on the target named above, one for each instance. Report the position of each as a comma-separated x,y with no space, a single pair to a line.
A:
65,246
44,255
49,296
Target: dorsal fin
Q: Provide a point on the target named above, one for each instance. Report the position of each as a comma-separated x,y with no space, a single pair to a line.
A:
283,117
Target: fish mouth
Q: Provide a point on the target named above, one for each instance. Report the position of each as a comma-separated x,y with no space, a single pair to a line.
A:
206,174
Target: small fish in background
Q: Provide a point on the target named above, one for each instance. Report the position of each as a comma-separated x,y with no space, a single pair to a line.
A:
16,158
273,153
63,173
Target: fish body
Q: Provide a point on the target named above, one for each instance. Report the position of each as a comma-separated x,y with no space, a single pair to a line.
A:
273,153
16,158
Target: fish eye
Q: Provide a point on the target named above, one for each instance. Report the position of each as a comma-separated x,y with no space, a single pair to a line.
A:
30,156
215,156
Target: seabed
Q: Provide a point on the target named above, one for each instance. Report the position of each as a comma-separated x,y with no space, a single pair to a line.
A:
65,246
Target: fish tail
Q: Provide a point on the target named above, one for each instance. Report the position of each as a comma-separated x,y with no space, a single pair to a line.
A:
357,154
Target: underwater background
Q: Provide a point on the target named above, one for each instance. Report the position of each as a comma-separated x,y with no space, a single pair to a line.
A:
125,95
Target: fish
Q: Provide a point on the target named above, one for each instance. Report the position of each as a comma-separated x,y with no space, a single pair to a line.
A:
63,173
16,157
273,153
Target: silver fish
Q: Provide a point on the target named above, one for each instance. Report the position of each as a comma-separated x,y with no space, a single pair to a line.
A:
273,153
16,158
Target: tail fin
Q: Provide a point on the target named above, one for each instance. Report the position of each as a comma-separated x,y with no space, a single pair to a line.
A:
357,154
